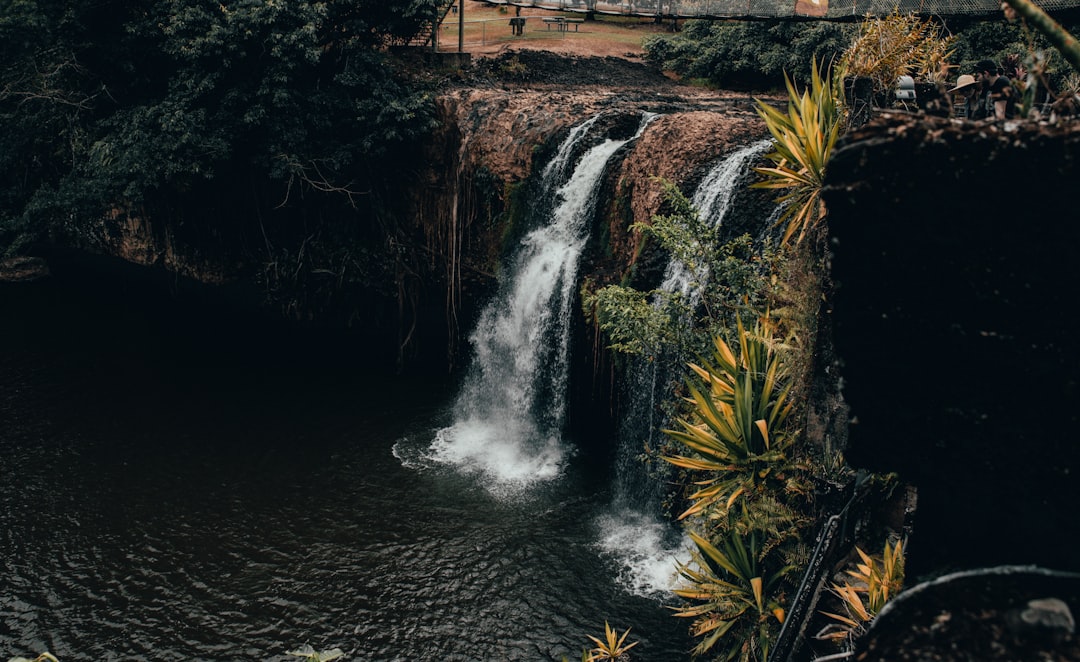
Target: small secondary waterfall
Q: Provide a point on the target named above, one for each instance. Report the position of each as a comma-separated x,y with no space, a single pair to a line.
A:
509,415
635,531
712,200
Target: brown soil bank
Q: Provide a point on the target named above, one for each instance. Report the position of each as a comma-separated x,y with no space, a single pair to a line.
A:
539,67
488,33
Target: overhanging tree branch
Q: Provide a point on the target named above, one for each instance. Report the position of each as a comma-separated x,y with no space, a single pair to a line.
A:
1058,36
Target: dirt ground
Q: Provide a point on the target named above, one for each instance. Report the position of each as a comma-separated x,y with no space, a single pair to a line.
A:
488,33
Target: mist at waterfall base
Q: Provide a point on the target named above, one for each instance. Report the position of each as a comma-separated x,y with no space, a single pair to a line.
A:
509,415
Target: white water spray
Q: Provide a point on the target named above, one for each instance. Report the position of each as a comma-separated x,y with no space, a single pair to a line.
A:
509,415
645,547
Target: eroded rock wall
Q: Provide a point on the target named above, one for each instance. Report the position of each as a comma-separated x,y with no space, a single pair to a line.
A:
494,137
454,215
954,251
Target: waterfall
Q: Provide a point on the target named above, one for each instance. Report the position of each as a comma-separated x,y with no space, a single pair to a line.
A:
711,200
509,414
635,531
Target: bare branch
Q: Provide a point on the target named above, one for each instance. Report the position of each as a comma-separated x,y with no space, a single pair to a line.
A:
313,176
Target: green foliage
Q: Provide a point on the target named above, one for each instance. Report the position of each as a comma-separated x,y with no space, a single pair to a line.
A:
681,232
149,104
898,45
730,277
997,40
803,139
984,39
747,54
634,321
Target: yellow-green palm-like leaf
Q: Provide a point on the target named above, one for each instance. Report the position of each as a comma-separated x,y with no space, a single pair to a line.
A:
612,646
43,657
873,584
720,558
732,594
736,433
803,140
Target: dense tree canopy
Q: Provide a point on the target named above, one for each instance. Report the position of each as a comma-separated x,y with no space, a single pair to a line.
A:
756,54
128,102
749,54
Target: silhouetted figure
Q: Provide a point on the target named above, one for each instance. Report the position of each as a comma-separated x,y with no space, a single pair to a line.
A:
999,89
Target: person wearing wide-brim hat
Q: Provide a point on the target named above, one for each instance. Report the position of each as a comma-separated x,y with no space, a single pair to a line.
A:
963,82
967,95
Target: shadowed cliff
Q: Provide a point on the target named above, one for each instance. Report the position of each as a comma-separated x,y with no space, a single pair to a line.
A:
954,248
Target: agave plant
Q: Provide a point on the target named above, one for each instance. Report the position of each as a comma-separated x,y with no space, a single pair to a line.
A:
872,583
612,647
43,657
803,139
736,601
737,435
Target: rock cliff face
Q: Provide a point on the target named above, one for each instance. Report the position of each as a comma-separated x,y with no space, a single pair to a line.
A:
498,122
954,257
499,133
498,129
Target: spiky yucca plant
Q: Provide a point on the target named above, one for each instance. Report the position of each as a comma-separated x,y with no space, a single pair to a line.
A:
734,595
612,647
873,583
737,436
803,140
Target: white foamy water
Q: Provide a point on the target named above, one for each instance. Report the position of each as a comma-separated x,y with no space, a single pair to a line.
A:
509,415
643,547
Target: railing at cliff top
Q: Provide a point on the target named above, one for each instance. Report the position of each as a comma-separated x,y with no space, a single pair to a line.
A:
825,9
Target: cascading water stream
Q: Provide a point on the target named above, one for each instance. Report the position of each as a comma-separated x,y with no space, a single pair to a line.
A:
509,415
635,532
712,200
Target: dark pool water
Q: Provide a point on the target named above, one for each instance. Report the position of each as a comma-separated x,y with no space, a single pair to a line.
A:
171,492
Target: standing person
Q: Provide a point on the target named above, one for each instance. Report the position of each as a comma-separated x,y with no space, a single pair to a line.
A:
1000,89
968,101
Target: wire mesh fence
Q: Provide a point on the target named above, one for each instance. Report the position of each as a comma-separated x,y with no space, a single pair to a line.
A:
778,8
511,29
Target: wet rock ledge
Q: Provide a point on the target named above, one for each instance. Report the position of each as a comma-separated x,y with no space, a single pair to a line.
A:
22,269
